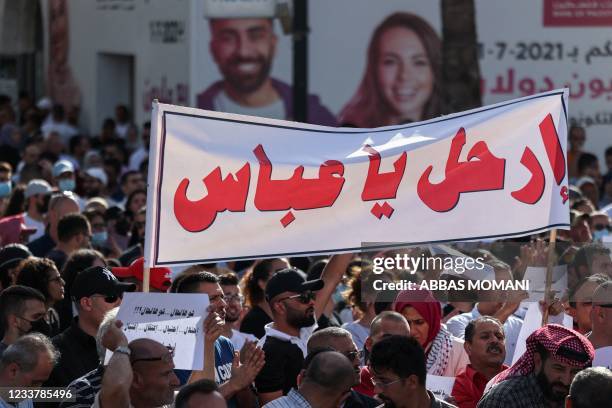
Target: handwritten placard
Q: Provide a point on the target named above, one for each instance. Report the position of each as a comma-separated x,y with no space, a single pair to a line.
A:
440,386
603,357
173,319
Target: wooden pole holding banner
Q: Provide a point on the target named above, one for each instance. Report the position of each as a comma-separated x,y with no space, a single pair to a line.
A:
549,270
146,275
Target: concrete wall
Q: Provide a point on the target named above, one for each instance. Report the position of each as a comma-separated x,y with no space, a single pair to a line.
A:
152,32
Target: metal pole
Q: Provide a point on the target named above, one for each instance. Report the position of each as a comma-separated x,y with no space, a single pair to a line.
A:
300,60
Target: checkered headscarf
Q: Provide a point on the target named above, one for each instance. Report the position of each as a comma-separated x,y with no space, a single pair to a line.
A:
554,338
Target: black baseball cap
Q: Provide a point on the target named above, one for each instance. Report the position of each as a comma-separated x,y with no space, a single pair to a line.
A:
290,280
98,280
12,254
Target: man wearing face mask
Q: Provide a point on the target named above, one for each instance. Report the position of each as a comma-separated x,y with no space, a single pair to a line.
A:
36,194
20,307
73,233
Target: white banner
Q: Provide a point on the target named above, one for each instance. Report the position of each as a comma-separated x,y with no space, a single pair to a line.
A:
226,186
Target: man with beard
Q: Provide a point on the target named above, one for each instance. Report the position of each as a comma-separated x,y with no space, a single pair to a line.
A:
399,374
243,49
37,196
232,377
485,344
340,340
542,376
233,311
295,303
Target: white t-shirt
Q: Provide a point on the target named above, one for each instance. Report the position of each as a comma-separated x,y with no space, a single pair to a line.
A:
275,110
239,338
32,223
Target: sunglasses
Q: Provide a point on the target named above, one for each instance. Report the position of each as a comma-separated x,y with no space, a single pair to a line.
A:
304,297
166,358
109,298
354,355
601,227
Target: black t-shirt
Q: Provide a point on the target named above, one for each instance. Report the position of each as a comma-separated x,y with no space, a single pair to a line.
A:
58,257
283,364
254,322
78,356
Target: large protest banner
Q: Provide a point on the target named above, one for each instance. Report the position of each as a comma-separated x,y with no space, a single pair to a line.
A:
227,186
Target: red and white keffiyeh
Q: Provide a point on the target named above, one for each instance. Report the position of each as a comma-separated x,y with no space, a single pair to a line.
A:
552,337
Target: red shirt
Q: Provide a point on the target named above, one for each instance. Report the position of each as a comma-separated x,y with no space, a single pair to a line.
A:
469,387
365,387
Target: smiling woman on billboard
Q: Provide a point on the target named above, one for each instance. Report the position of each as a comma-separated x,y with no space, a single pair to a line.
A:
401,80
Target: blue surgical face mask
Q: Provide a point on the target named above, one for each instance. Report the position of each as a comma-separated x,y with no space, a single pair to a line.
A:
5,189
66,184
598,235
99,238
337,295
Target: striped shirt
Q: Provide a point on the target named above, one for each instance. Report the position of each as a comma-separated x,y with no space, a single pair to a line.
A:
292,400
85,389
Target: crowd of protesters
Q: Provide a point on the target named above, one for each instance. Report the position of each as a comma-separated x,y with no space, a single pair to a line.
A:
283,332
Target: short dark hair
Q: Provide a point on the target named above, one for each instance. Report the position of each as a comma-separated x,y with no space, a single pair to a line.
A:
402,355
78,261
470,329
228,279
190,283
591,387
608,151
586,160
71,225
201,386
35,273
13,300
127,174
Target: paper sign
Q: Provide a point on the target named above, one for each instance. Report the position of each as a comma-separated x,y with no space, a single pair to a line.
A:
537,281
440,386
603,357
173,319
532,322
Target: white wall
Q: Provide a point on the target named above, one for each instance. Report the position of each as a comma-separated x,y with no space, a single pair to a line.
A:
124,27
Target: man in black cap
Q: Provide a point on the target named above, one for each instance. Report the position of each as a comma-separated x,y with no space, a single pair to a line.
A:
95,291
296,305
10,256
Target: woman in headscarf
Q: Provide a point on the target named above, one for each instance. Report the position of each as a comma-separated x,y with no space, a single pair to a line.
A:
445,354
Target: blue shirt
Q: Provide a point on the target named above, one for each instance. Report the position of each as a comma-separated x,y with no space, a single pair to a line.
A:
224,355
